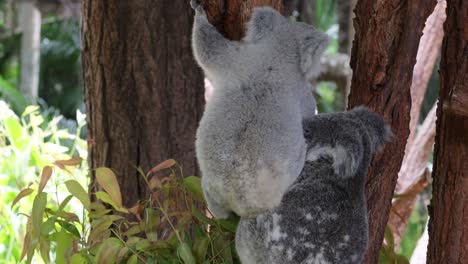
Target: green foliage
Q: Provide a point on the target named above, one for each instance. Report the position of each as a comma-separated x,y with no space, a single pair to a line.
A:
60,82
46,209
153,231
414,230
387,252
325,15
326,97
9,93
28,143
60,77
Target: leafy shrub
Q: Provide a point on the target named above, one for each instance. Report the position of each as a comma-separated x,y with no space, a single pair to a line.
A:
27,143
47,214
152,231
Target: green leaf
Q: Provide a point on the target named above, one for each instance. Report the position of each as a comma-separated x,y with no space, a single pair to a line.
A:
103,196
70,228
98,213
123,252
152,222
37,215
142,245
17,100
108,181
77,258
203,218
15,132
229,224
193,185
184,252
44,249
21,195
99,226
49,224
222,247
64,242
133,230
133,260
200,247
401,260
108,251
79,192
29,110
389,237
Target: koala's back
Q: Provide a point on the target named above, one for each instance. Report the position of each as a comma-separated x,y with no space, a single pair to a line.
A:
250,146
318,221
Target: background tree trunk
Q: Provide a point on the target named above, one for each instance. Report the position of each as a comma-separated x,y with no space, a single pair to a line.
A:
448,229
143,89
411,178
30,25
383,56
344,14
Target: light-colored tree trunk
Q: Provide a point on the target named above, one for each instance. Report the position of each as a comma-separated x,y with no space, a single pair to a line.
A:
419,145
30,25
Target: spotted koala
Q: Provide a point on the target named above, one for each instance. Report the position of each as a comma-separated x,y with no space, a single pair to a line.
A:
322,218
249,144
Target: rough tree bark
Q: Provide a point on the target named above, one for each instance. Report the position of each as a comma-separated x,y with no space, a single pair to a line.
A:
230,17
448,231
143,89
383,55
30,26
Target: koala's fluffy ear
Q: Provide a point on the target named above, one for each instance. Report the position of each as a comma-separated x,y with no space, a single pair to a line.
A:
262,23
312,46
377,129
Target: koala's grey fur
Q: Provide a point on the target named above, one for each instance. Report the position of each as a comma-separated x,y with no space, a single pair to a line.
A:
322,218
250,144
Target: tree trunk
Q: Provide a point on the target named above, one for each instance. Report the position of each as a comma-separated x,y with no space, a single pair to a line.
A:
420,142
143,89
344,14
383,56
30,25
307,11
448,231
231,17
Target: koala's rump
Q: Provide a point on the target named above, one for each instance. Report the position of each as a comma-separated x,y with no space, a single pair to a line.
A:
252,149
316,221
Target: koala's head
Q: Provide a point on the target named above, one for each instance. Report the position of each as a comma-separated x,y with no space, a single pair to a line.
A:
291,41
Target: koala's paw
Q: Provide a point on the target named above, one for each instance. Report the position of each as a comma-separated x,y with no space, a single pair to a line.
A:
197,6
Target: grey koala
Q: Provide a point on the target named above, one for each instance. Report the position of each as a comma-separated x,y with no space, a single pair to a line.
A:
250,145
322,218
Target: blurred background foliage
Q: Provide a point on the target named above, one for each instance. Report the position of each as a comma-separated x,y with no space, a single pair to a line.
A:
31,137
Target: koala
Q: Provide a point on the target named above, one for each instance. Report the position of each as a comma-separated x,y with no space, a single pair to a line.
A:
322,218
249,144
